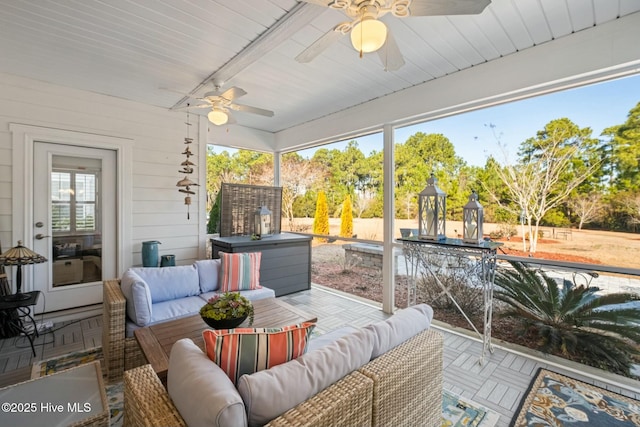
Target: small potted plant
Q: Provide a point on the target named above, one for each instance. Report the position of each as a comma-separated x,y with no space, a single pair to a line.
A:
227,311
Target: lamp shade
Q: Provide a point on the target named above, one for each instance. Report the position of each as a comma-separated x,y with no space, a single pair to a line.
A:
368,35
218,117
21,255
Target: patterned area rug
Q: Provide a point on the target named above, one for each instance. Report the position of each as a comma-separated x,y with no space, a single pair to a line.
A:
557,400
456,411
115,392
461,412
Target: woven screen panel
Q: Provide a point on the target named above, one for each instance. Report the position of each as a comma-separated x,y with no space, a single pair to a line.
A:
239,203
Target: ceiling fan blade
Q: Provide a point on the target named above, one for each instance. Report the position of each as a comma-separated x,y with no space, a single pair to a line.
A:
390,54
447,7
233,93
324,3
253,110
319,46
188,107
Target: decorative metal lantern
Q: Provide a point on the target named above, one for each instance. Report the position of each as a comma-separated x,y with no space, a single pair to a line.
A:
472,218
432,205
263,222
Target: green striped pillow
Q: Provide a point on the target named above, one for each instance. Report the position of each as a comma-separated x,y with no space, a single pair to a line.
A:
240,272
247,350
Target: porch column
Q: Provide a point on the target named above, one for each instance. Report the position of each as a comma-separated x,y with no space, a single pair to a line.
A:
388,261
277,159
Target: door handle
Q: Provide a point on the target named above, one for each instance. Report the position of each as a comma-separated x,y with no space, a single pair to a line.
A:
41,236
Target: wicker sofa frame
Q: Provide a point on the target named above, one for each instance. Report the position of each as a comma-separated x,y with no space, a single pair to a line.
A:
120,353
401,387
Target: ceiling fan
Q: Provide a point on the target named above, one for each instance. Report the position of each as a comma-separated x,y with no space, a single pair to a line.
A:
222,103
368,34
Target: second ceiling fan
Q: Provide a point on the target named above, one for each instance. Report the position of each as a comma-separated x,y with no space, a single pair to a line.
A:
222,102
368,34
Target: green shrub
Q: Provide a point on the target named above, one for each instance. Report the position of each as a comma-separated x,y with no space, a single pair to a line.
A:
213,226
556,218
540,235
504,230
597,330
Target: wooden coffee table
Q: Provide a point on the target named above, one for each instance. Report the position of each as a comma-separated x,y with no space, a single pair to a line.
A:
156,341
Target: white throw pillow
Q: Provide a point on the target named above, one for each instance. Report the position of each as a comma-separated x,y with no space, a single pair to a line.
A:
201,391
270,393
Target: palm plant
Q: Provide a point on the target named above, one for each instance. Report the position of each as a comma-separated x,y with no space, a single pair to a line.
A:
598,330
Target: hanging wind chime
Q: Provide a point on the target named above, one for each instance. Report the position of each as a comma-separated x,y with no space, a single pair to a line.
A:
187,169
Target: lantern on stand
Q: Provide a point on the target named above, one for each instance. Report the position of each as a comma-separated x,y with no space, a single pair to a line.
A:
432,204
262,225
472,218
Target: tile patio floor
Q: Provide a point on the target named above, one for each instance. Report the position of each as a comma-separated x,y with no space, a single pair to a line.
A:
499,383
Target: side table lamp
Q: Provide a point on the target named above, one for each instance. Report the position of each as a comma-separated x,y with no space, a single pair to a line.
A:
20,256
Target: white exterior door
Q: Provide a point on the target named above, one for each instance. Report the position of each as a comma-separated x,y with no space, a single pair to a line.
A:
74,220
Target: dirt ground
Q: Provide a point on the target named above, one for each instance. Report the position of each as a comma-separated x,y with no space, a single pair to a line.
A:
587,246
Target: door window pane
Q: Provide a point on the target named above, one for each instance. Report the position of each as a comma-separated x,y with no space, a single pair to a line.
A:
77,249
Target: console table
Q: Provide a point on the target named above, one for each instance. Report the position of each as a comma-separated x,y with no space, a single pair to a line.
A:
285,266
478,262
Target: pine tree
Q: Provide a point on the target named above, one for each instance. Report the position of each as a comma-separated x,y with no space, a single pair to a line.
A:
213,226
321,218
346,218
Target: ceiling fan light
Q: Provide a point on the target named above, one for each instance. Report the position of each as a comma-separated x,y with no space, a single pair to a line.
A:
368,35
218,117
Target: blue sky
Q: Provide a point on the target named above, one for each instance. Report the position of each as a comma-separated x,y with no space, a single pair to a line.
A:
596,106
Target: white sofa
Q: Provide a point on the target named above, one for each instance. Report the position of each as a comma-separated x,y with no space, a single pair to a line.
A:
148,295
386,374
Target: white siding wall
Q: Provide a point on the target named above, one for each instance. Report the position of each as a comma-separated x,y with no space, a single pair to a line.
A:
158,210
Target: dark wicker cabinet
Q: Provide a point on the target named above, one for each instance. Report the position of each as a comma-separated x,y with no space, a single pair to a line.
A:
286,259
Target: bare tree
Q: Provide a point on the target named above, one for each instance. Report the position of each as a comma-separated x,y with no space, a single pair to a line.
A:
296,176
362,202
542,180
586,207
519,184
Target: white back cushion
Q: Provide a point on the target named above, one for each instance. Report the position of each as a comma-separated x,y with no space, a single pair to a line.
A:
209,274
398,328
138,297
270,393
201,391
169,283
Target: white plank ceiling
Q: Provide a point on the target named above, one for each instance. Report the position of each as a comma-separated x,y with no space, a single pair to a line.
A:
156,51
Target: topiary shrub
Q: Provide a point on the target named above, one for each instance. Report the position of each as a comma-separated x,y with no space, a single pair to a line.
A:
321,218
346,218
